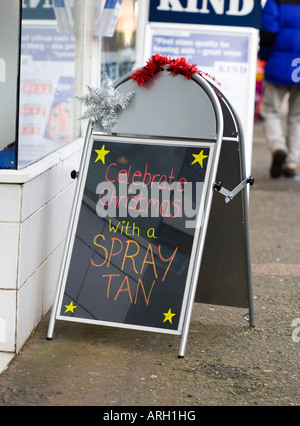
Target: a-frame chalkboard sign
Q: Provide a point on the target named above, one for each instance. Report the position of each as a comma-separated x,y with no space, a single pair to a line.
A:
142,208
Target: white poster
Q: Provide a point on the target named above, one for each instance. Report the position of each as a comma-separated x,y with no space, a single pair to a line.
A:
228,54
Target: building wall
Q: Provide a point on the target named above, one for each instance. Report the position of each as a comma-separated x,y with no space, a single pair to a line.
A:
34,214
35,203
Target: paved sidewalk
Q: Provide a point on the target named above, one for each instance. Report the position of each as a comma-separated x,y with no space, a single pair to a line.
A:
226,362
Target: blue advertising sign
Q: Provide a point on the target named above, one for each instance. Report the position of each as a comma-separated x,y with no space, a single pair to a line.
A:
37,9
240,13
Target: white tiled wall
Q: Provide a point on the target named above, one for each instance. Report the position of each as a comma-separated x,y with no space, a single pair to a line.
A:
34,214
7,320
10,205
9,248
41,233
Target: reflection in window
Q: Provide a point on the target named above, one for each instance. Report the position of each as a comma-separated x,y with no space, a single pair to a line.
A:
46,91
119,52
9,69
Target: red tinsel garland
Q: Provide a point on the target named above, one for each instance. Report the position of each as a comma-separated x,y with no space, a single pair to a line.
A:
158,63
153,66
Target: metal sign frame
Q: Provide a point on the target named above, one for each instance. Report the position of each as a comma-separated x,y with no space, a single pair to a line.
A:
197,248
98,137
233,135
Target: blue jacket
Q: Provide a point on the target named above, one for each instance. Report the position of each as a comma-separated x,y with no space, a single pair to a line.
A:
280,41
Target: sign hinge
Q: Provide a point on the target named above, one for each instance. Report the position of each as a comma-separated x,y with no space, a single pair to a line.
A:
229,195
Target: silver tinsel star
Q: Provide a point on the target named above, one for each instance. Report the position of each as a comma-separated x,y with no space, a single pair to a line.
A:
102,104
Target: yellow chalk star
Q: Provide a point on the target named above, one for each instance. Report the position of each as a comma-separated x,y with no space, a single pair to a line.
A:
70,308
199,158
101,154
169,316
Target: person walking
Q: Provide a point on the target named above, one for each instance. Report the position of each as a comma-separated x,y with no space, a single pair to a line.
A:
280,48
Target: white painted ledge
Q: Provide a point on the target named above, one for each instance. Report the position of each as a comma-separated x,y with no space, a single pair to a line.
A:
39,167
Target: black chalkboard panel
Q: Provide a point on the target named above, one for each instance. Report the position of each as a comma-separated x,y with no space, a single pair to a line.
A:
133,246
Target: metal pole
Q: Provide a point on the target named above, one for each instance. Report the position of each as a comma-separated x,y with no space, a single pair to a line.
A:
196,270
68,237
245,203
247,230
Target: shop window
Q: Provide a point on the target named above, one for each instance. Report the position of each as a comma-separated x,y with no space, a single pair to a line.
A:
118,53
37,90
37,73
46,86
9,67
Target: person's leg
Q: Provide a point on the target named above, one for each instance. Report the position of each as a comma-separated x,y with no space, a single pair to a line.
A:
271,112
293,133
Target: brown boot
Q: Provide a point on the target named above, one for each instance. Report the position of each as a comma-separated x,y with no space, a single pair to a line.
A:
279,157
